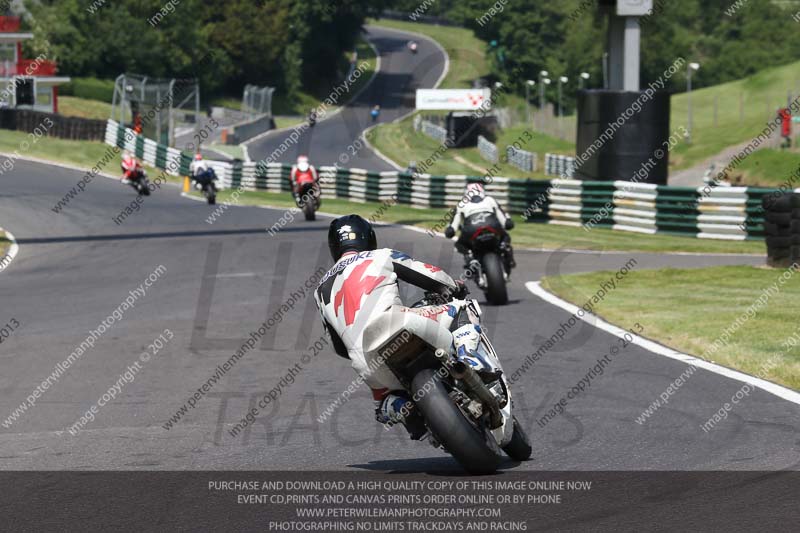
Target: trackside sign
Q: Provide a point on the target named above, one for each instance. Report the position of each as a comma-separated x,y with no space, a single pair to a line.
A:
453,99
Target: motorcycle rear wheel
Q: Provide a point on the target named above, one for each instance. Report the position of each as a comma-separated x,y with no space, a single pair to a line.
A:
496,291
519,447
474,449
308,211
211,194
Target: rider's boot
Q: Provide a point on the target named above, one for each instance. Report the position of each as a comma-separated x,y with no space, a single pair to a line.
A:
397,408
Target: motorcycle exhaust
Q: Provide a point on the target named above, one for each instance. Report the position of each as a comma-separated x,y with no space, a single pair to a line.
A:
465,373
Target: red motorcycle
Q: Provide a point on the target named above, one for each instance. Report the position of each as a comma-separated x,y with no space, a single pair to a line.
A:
488,260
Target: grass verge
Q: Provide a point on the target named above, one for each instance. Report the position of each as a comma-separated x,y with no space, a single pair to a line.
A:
72,106
525,234
770,168
742,108
83,154
689,309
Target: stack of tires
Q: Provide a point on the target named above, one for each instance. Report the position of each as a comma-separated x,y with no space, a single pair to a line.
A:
782,229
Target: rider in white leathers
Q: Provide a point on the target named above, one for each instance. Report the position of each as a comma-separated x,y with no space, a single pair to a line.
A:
477,209
361,309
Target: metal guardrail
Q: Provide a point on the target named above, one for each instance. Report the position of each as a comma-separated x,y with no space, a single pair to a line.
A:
559,165
487,149
433,131
522,159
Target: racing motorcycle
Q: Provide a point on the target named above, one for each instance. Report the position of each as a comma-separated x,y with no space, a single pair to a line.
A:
488,262
205,183
462,404
308,201
139,182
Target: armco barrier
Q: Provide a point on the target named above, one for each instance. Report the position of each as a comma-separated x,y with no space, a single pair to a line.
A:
734,213
487,149
430,129
522,159
559,165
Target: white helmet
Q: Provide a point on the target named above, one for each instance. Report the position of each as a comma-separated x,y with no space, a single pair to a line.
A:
302,163
475,192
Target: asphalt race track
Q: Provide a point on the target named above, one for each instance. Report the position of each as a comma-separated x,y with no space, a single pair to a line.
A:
335,140
223,280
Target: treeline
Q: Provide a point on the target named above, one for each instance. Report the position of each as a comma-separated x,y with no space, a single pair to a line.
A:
283,43
729,39
291,44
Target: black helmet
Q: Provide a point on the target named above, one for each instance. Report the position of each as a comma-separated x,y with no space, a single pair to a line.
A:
350,233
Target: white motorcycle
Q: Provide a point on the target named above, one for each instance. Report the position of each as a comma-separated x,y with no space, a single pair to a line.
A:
464,401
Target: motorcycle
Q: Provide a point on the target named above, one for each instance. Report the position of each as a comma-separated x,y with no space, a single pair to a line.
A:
139,182
205,183
308,201
413,47
488,262
312,119
461,404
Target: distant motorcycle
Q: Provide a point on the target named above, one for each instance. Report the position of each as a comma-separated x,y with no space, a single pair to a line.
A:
139,182
488,261
205,183
312,119
412,45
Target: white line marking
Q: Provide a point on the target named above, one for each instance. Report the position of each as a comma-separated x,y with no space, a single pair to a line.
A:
782,392
236,275
12,250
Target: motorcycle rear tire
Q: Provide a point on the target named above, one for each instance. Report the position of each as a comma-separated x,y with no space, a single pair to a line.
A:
308,211
496,292
211,194
519,447
475,450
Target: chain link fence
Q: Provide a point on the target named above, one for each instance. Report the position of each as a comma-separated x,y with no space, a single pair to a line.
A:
257,101
156,107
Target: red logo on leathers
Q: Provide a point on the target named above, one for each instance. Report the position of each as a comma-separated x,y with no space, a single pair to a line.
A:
353,289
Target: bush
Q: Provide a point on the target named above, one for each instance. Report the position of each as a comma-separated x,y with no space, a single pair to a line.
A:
89,88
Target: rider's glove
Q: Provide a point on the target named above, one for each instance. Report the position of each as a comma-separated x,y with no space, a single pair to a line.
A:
449,232
509,224
461,291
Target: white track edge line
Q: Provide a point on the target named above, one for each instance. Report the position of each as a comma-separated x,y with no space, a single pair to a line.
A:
773,388
12,250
